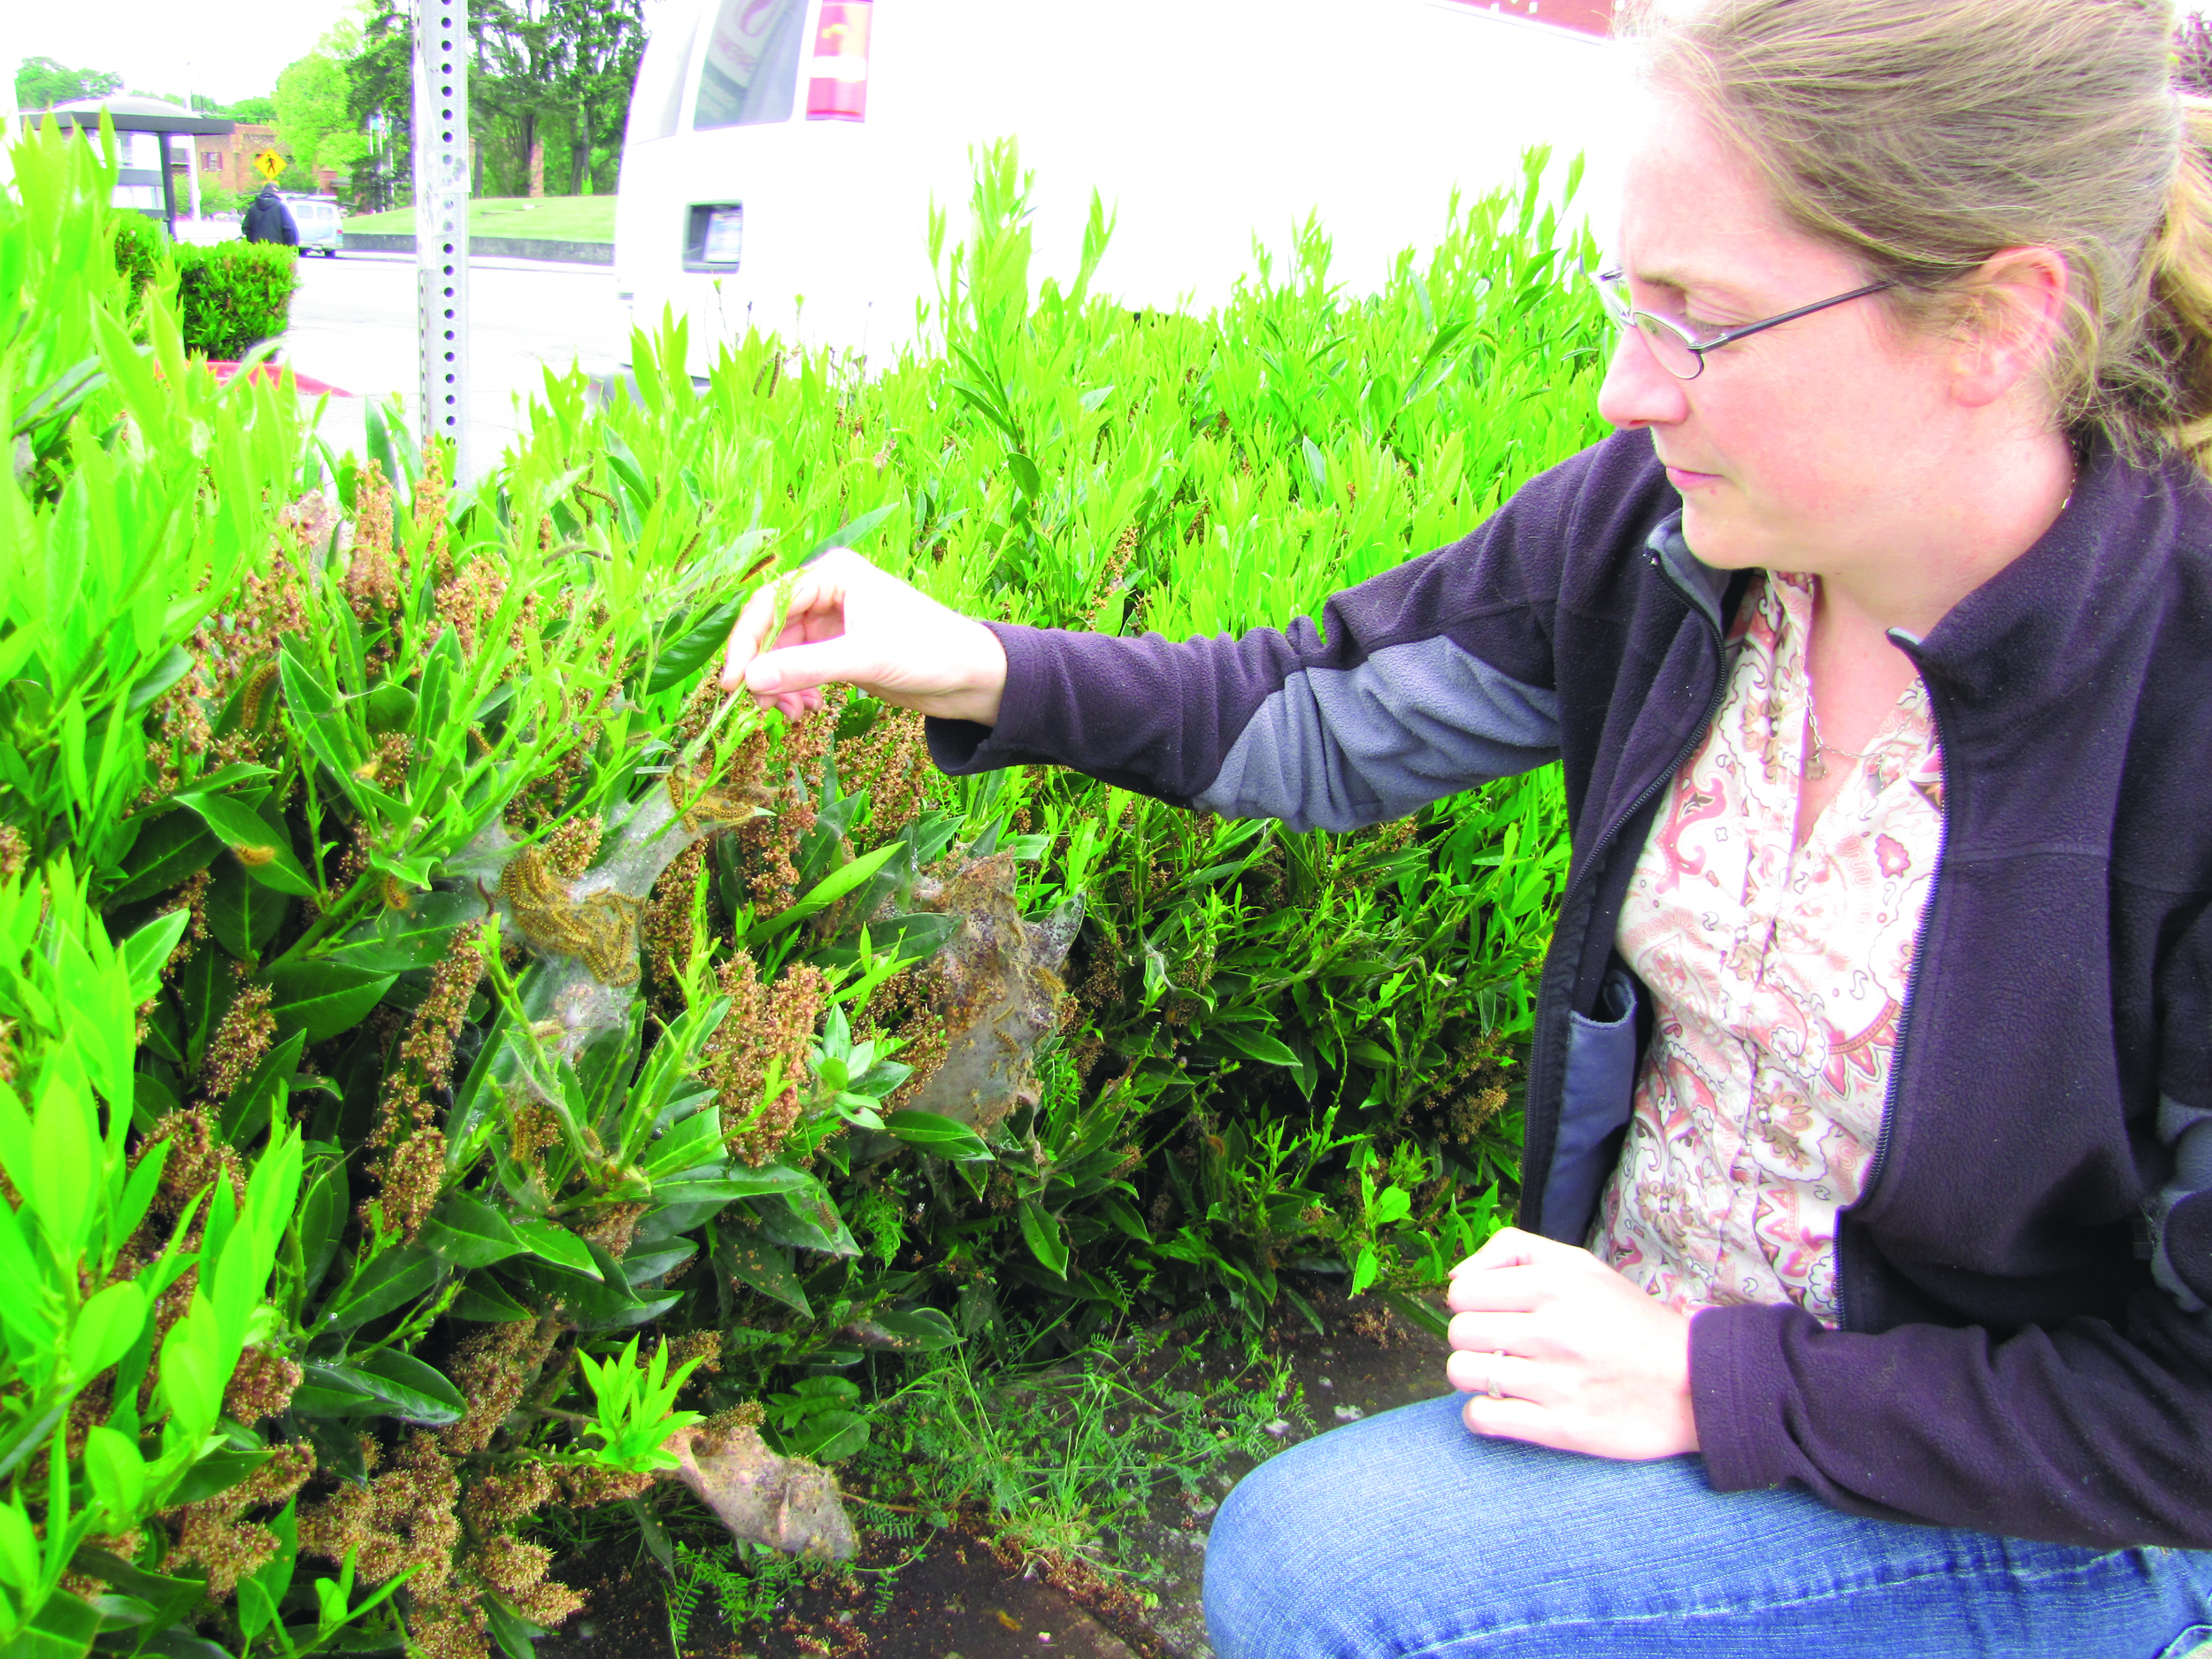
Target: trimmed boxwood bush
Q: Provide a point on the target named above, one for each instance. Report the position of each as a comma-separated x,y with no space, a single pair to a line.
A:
235,295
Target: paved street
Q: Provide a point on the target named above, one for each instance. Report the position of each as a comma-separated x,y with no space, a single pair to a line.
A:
353,325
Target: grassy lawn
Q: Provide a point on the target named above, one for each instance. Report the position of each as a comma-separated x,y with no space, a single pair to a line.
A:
556,218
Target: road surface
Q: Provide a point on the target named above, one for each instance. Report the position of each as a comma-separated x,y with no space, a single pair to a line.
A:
353,326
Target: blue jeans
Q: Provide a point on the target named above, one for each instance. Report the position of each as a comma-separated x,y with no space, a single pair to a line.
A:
1405,1534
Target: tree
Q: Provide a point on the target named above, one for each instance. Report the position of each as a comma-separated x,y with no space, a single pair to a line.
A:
41,83
311,114
557,66
381,96
253,111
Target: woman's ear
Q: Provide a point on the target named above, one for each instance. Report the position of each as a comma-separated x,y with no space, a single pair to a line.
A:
2016,314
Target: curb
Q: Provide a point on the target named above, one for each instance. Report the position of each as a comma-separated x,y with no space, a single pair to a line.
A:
490,247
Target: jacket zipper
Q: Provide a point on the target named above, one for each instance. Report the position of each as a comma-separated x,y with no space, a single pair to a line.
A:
1697,735
1601,845
1891,1090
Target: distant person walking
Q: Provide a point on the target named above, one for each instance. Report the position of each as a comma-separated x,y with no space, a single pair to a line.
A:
268,220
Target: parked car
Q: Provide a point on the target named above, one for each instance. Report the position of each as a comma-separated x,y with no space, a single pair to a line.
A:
781,147
321,223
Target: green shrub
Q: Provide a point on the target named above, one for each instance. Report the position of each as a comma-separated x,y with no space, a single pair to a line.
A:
218,198
142,251
421,872
235,295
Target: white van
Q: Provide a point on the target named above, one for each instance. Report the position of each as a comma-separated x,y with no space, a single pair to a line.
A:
782,155
319,221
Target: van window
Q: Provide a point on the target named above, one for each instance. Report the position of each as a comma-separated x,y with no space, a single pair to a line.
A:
657,105
752,66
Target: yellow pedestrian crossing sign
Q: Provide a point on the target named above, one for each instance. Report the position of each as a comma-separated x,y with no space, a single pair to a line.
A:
269,165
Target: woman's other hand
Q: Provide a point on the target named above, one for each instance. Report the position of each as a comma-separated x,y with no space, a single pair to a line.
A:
1590,1363
846,621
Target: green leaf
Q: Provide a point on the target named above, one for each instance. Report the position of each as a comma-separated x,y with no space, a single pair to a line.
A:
555,1244
266,855
323,999
760,1266
908,1331
825,892
243,914
806,1218
107,1325
409,1388
733,1180
333,1391
703,636
945,1136
216,1473
485,1300
829,1436
1365,1270
148,950
468,1232
1042,1230
1256,1044
252,1103
392,1280
169,849
414,937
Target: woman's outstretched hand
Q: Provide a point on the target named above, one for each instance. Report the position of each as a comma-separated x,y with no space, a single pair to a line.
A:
846,621
1590,1363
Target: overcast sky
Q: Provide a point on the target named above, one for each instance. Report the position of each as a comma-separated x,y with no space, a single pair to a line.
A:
231,48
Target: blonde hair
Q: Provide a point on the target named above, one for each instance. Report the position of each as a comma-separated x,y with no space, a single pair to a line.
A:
1923,136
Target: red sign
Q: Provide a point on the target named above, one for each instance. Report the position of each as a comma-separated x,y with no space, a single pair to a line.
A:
837,89
1586,17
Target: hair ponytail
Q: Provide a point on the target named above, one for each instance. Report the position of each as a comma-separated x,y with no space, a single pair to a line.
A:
1924,136
2179,332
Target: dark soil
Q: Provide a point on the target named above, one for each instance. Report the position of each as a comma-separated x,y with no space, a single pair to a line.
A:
950,1594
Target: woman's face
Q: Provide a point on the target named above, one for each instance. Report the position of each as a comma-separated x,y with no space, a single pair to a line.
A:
1811,446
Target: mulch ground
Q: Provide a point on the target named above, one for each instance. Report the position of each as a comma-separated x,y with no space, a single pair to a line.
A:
952,1594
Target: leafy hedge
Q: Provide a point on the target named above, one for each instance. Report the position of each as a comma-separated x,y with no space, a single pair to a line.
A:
461,988
230,296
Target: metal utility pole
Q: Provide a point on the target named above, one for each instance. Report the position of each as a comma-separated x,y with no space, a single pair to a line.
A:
441,222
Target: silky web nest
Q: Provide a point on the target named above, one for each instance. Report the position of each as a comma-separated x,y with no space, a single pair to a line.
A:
586,930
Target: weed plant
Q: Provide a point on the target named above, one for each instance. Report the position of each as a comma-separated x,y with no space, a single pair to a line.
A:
441,1036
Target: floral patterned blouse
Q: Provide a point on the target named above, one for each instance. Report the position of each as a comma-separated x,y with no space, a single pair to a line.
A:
1777,973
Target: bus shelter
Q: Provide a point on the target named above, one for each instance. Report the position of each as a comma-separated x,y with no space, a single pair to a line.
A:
145,182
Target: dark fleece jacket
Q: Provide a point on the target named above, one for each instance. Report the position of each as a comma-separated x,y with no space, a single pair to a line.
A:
2025,1346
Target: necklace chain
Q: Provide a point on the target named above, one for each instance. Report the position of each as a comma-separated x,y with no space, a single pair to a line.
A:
1816,763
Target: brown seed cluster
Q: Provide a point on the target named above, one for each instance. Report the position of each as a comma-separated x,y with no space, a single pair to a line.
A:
665,930
239,1043
703,1346
1124,549
763,1025
15,852
570,845
424,1064
196,1157
891,762
492,1370
213,1535
376,572
262,1387
613,1228
469,603
406,1517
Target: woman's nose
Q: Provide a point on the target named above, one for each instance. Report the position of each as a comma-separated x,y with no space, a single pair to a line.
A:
1637,391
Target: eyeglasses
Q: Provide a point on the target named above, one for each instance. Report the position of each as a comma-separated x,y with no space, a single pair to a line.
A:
1680,352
